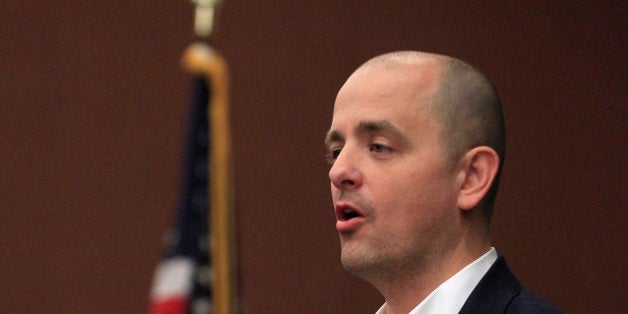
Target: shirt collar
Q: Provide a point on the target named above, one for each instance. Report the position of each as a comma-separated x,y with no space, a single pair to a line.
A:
451,295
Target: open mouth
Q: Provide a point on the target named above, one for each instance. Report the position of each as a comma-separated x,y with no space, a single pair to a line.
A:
344,213
349,213
348,218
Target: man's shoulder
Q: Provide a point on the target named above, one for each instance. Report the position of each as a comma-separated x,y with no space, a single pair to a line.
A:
528,302
499,291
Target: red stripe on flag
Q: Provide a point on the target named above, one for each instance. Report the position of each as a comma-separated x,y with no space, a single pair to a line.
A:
169,306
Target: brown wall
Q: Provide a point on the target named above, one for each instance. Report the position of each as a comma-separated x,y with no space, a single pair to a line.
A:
92,110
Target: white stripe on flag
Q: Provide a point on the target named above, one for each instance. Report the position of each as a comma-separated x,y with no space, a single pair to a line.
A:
173,277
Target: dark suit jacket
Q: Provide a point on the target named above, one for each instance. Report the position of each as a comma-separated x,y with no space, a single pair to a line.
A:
500,292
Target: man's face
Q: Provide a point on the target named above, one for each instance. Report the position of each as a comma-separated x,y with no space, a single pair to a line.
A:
394,192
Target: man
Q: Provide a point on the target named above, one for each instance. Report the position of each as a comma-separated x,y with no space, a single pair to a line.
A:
416,147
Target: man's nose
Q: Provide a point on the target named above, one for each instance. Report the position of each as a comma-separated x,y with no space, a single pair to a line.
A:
345,172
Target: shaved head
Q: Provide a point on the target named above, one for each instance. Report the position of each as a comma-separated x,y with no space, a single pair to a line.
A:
465,104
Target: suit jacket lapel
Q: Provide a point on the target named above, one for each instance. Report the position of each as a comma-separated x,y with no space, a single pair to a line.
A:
495,291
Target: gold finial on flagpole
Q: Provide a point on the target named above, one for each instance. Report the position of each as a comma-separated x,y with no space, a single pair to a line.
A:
204,17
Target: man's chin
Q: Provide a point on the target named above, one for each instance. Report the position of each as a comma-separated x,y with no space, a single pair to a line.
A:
358,265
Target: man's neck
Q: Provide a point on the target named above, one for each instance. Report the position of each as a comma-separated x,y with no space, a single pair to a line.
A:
405,291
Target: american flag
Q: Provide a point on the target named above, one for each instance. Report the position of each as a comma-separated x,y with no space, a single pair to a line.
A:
182,282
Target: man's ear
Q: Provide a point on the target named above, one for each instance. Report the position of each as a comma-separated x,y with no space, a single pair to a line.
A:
479,167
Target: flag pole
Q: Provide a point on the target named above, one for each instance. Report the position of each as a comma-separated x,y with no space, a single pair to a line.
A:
200,58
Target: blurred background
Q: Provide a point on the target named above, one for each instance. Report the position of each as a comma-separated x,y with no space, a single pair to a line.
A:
93,104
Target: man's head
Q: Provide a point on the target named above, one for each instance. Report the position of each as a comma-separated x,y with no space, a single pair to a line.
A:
414,153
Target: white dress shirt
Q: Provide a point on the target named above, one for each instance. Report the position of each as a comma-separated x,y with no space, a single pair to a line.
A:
451,295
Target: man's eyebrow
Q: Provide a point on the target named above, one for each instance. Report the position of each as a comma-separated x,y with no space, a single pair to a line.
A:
369,126
379,126
332,136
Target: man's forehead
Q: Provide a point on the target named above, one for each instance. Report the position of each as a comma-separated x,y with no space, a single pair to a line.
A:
399,94
406,80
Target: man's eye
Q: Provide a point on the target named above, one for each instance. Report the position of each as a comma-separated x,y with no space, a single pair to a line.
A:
379,148
333,155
